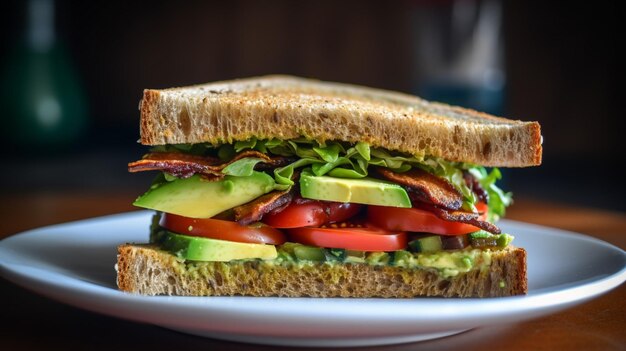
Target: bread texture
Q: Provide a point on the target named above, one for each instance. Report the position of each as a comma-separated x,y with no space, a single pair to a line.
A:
146,270
286,107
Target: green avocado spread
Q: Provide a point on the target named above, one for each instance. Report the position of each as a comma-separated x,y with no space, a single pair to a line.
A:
446,263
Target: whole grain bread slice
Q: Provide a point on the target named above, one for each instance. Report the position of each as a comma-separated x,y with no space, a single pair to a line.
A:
286,107
144,269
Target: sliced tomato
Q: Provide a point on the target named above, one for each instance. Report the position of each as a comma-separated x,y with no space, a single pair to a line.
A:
223,230
416,220
340,212
362,239
311,214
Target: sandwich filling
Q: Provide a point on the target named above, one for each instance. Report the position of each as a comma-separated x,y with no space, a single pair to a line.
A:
307,201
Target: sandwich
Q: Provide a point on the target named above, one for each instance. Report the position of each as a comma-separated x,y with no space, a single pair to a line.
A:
292,187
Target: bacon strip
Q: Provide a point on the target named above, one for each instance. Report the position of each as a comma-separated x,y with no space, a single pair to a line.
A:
253,211
439,197
426,187
184,165
460,216
274,201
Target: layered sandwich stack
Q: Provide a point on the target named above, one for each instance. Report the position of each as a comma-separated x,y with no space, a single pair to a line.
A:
283,186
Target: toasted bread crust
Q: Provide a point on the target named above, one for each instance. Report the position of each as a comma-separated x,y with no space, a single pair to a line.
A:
286,107
146,270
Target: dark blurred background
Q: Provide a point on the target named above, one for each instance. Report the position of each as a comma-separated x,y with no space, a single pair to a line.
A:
73,73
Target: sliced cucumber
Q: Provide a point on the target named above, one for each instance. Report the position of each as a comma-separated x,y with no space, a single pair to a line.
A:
309,253
431,243
335,254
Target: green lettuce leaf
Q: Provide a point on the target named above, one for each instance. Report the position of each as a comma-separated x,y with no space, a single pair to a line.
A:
329,153
364,150
242,168
498,199
283,175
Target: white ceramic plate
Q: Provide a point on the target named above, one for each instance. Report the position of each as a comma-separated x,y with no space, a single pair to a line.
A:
73,263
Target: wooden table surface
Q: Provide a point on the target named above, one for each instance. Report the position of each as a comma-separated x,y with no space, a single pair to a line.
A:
34,322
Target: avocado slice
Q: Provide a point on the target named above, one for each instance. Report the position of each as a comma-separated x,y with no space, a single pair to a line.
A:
199,198
206,249
431,243
368,191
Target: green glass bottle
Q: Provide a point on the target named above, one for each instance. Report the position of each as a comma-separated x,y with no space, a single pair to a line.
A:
42,98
